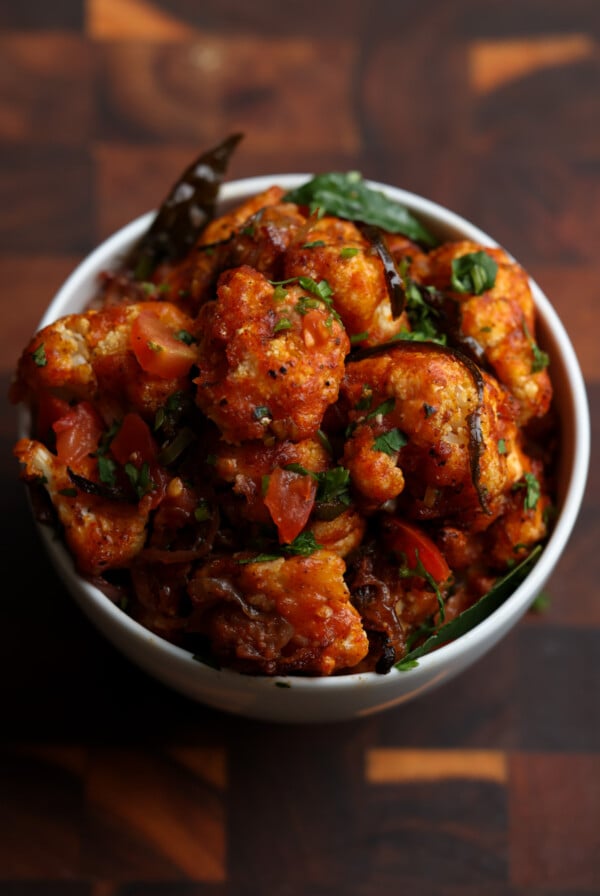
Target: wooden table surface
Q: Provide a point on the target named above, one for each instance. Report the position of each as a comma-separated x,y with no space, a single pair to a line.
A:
111,784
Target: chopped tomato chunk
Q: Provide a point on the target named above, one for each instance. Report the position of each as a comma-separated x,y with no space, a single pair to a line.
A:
134,444
49,410
158,349
407,539
77,435
133,439
290,498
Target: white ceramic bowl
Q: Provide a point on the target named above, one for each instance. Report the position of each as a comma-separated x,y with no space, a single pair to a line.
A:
296,699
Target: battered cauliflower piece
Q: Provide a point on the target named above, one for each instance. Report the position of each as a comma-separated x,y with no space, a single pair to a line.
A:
101,534
451,432
354,272
89,356
224,226
501,320
258,241
523,523
270,361
343,534
290,615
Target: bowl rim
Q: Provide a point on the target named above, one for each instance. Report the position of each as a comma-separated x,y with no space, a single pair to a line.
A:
435,662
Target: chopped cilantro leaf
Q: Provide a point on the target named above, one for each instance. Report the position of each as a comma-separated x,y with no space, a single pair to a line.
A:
384,408
139,479
390,442
473,273
303,545
349,252
261,413
359,337
39,355
532,490
106,470
185,336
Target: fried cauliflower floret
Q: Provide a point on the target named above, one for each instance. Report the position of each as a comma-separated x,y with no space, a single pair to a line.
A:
259,242
90,356
451,432
343,534
101,534
376,473
221,228
360,293
270,363
524,521
58,359
501,320
283,616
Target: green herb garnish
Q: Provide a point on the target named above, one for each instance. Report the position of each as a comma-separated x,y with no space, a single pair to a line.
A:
346,195
185,336
390,442
386,407
473,615
359,337
540,359
261,413
39,355
303,545
139,479
106,470
533,490
473,273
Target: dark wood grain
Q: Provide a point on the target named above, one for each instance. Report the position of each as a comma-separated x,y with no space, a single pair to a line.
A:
112,785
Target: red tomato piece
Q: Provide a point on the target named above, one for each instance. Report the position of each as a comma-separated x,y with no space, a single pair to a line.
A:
77,434
405,538
157,348
133,438
134,444
49,410
290,498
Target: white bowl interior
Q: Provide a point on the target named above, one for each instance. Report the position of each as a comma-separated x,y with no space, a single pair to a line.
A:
328,699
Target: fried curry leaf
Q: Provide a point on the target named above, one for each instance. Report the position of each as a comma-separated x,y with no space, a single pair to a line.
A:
475,614
346,195
187,209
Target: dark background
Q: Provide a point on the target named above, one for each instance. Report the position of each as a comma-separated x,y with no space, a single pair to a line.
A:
109,784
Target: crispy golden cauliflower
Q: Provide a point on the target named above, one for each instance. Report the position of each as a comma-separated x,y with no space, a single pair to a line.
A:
449,428
101,534
501,320
270,362
284,615
335,251
92,356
